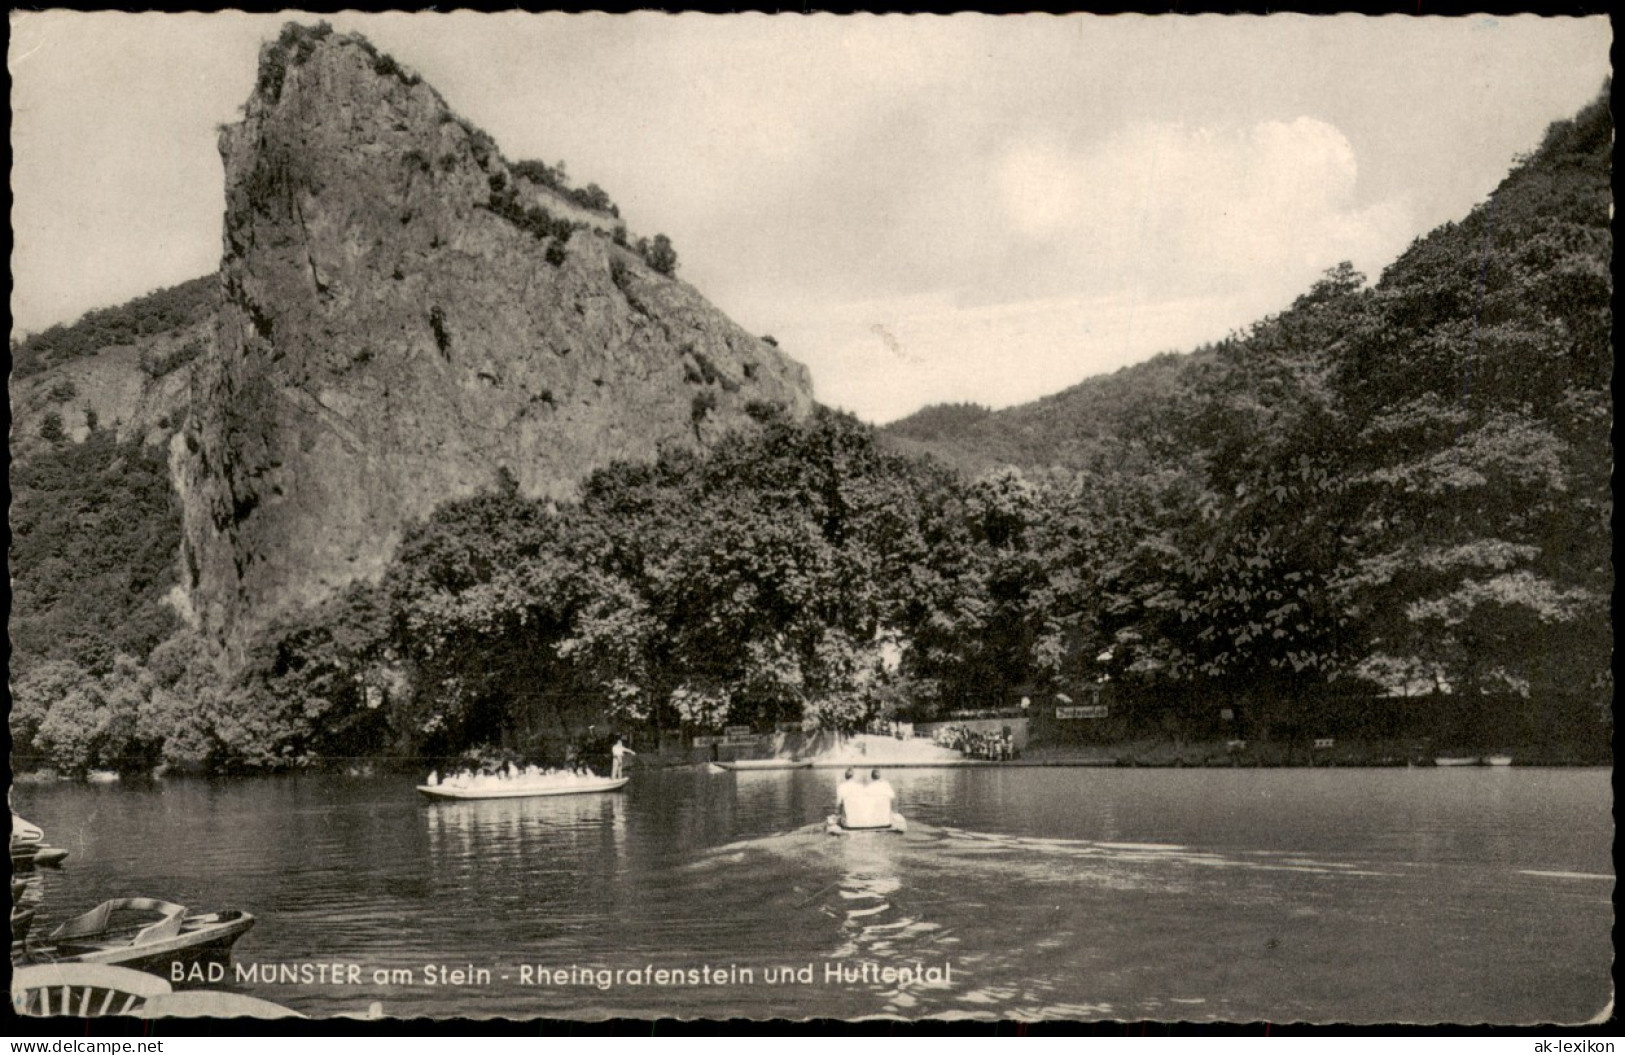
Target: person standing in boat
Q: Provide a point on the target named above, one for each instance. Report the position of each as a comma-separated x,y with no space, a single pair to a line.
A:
618,753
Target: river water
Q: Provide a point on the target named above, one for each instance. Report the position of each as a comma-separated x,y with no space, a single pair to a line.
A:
1347,895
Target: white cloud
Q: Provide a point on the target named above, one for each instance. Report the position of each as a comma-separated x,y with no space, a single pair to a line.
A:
1170,207
1054,262
1004,196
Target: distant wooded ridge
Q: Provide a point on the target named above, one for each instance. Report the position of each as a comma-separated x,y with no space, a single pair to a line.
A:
1398,487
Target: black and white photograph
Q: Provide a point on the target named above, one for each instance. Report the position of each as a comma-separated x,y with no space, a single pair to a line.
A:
589,517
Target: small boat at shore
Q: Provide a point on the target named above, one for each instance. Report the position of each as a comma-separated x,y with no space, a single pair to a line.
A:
143,933
1497,760
82,990
28,847
752,765
833,826
523,789
1444,761
24,833
24,858
22,917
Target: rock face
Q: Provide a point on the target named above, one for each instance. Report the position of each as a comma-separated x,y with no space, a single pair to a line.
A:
405,320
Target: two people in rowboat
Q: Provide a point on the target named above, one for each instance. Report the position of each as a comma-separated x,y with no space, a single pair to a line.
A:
864,805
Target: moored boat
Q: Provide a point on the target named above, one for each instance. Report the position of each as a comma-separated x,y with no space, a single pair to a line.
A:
22,917
753,764
1497,760
24,858
82,990
143,933
1455,760
24,833
523,789
28,846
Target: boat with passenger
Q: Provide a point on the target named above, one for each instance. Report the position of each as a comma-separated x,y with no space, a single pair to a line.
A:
865,808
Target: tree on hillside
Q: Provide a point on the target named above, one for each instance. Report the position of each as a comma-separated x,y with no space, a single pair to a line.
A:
1481,459
661,255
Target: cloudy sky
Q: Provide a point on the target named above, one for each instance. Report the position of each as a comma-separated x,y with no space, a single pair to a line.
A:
921,209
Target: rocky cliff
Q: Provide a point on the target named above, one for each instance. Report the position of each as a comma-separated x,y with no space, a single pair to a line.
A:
408,318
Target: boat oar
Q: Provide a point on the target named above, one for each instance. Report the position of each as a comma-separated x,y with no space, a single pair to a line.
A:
820,894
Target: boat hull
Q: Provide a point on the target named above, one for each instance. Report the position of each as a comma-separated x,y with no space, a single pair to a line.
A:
753,765
25,858
441,791
206,939
22,918
898,825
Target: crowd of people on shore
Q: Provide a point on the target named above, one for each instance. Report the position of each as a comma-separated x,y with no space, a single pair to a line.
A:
989,744
506,769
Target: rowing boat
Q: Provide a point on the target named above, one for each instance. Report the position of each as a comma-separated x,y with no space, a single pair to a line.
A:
897,826
22,917
24,833
24,858
523,789
754,764
144,933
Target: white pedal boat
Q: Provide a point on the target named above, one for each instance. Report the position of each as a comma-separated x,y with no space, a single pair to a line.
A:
833,826
524,789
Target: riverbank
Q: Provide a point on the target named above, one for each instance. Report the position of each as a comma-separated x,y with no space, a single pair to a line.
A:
887,752
1270,754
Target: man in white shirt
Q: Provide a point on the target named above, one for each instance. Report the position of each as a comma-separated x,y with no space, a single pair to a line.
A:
844,791
882,791
618,754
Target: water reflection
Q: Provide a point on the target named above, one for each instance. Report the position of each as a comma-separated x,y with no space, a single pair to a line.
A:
1162,894
456,825
528,851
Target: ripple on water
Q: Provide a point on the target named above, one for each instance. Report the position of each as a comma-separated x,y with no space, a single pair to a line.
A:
1049,893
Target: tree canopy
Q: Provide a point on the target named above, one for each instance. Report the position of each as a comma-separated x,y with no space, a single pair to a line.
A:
1389,487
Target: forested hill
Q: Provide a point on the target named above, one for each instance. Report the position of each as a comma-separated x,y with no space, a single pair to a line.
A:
1390,489
1090,425
1554,204
1410,479
174,308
